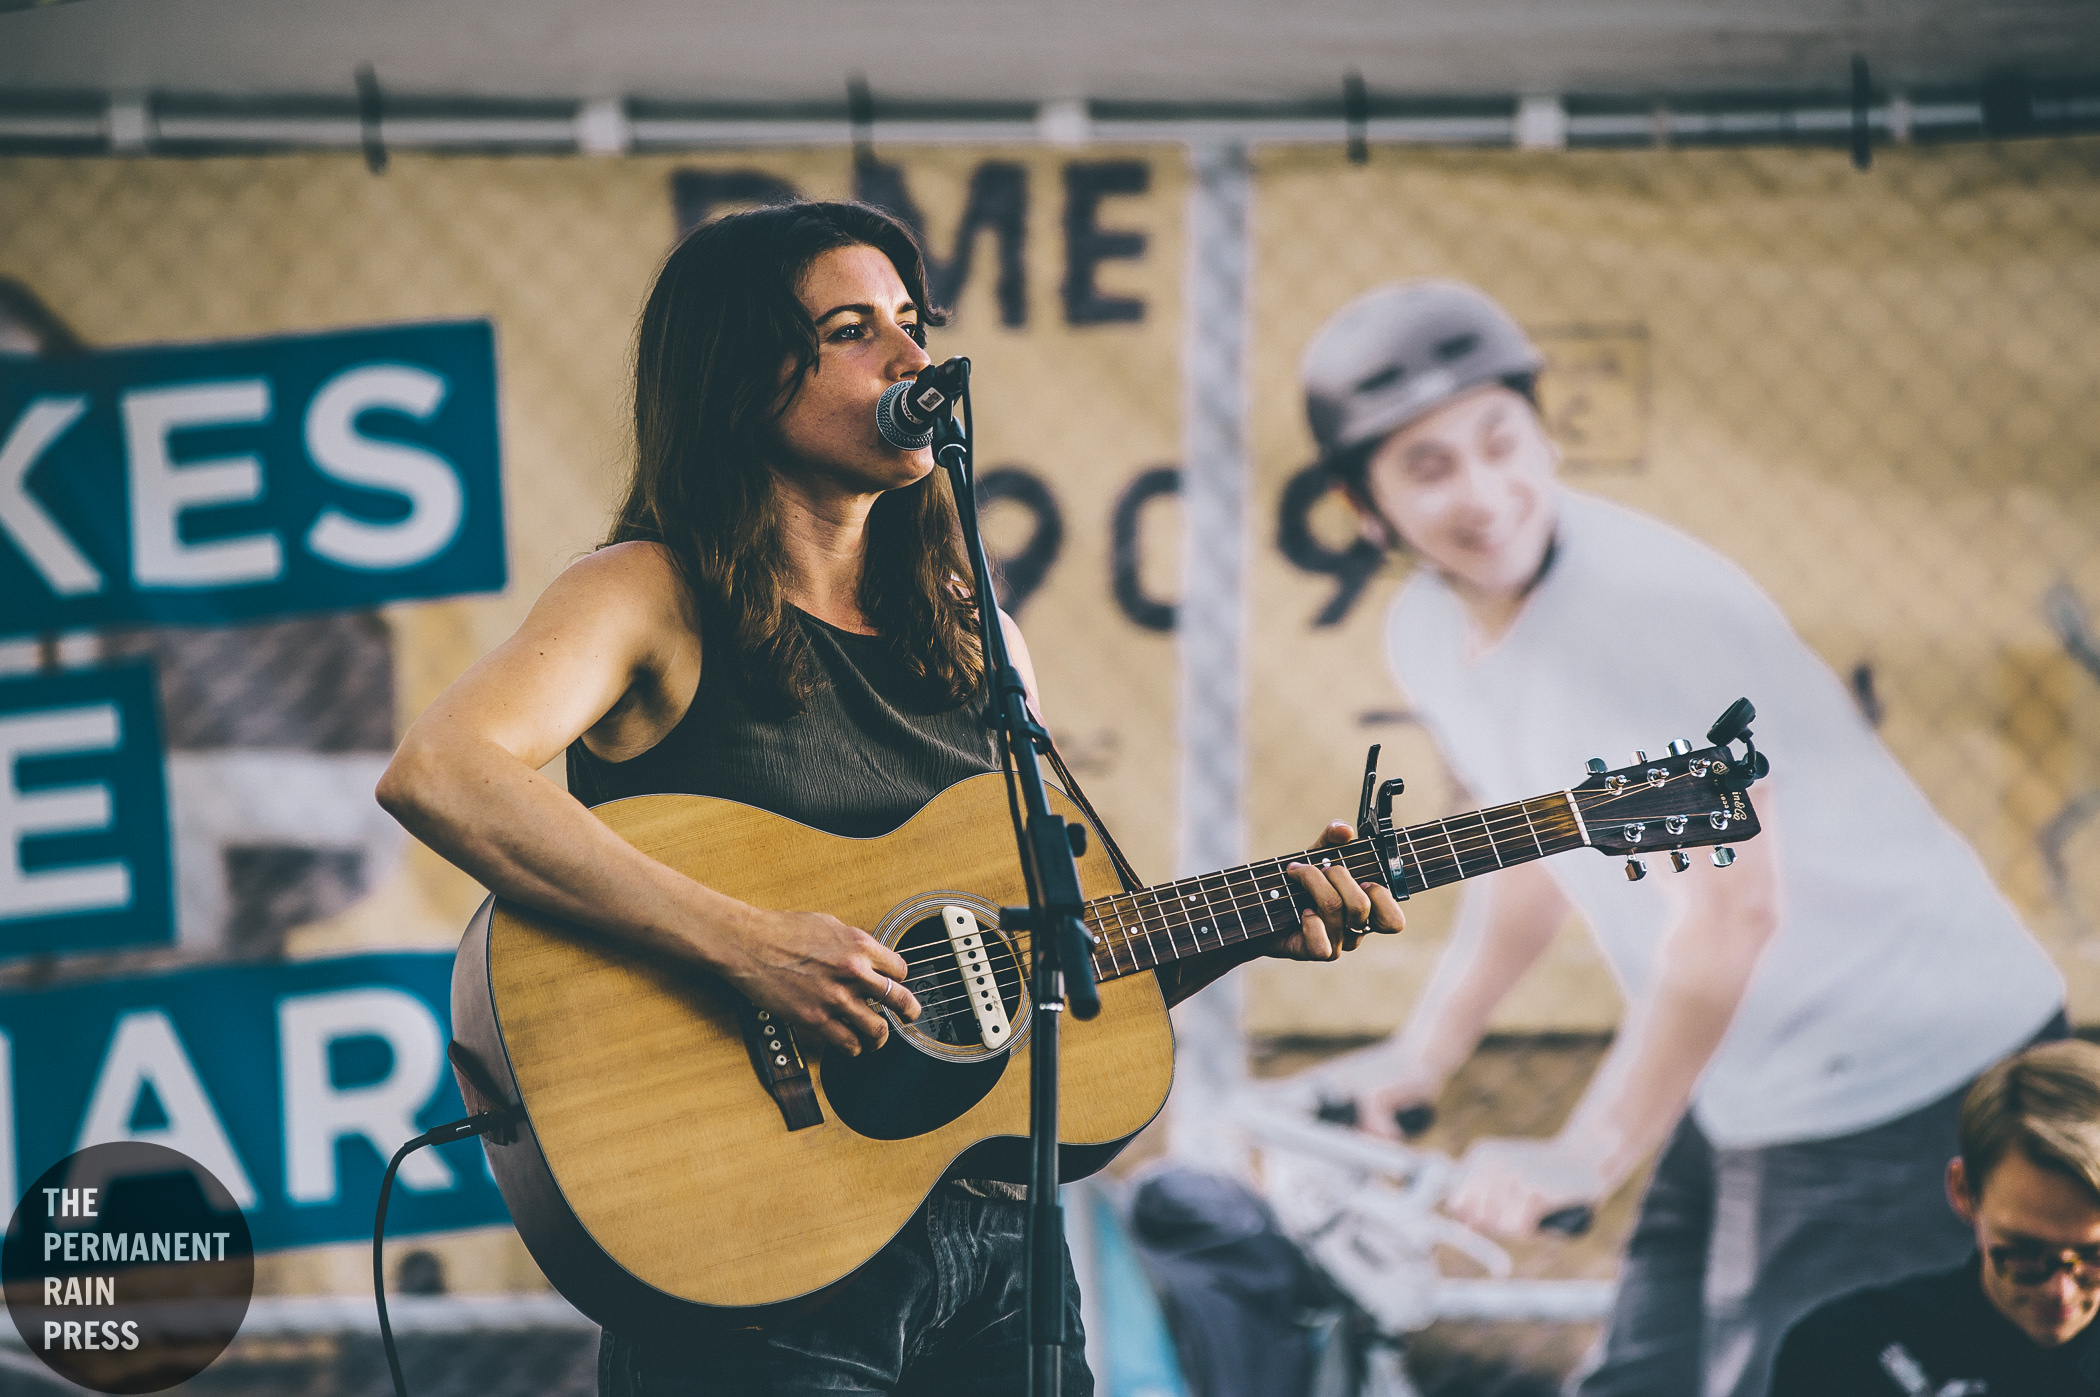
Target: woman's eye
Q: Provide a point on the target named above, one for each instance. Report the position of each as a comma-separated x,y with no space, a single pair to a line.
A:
917,333
847,332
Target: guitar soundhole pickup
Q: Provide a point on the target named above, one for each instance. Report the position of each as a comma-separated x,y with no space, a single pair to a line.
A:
967,974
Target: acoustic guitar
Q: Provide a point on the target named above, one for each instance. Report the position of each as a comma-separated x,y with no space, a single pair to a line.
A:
672,1153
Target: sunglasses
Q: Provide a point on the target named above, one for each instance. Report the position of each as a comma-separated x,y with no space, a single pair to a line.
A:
2026,1265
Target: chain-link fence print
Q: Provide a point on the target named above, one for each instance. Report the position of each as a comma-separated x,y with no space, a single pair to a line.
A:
1877,391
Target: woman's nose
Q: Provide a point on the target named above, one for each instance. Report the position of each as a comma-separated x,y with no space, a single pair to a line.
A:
911,356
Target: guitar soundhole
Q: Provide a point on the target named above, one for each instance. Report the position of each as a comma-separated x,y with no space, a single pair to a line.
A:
937,1068
947,1024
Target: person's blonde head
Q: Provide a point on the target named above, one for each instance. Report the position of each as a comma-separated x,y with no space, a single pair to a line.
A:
2044,1102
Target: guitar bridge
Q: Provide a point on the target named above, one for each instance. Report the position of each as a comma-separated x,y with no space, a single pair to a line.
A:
781,1070
966,939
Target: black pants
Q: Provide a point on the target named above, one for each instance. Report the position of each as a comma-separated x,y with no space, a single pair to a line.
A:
939,1312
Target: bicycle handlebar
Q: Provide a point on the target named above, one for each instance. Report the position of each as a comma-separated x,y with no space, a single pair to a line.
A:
1575,1220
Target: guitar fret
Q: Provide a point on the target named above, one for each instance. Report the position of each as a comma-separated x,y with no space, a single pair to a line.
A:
1135,907
1136,935
1458,864
1166,919
1109,939
1217,902
1225,915
1276,890
1121,933
1240,912
1490,832
1172,913
1414,859
1202,910
1279,899
1235,905
1146,905
1196,906
1524,809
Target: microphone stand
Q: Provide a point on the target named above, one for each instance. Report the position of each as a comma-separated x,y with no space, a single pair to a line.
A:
1063,964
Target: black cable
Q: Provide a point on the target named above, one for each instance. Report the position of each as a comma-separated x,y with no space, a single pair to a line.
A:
437,1135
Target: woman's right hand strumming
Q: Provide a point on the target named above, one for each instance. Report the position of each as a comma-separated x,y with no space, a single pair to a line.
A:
821,975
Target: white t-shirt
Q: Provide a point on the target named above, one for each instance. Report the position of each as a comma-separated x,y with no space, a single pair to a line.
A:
1898,970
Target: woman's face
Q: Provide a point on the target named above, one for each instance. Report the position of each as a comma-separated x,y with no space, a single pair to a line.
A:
868,337
1469,487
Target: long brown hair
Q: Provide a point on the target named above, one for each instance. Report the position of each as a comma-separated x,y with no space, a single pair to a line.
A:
720,321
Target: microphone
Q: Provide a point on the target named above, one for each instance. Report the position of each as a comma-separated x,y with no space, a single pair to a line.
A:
906,415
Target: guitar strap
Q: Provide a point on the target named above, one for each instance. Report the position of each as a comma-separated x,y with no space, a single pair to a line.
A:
1131,882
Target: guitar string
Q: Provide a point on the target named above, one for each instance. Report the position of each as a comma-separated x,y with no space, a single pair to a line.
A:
1165,899
1494,821
1109,936
1236,907
1506,821
1513,821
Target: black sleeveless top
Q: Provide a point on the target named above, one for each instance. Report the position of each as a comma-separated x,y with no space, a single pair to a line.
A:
872,745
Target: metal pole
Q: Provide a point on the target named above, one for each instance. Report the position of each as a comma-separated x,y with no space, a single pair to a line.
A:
1211,616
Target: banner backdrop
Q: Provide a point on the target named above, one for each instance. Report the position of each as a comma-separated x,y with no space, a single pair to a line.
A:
1878,392
292,1084
84,847
258,478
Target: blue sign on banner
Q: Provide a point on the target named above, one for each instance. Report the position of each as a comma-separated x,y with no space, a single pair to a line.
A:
251,478
83,813
293,1083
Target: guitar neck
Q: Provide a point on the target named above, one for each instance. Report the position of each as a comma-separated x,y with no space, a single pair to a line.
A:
1160,925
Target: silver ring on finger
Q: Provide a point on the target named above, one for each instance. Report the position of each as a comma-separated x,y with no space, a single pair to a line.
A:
887,985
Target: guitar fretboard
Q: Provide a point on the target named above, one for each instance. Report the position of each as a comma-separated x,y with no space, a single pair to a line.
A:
1159,925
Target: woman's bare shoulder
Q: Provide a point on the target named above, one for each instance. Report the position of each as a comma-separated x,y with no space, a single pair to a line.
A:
642,562
639,578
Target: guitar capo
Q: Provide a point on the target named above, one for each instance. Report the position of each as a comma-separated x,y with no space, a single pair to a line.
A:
1379,828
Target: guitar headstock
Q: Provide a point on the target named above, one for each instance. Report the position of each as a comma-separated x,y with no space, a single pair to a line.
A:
1686,798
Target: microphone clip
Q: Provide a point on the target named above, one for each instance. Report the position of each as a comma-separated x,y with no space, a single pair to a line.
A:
909,410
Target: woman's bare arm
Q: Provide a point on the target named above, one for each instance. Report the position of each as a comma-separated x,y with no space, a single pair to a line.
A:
466,781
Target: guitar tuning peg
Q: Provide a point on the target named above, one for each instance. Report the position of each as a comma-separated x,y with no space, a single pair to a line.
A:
1636,869
1640,758
1596,766
1680,747
1680,860
1723,856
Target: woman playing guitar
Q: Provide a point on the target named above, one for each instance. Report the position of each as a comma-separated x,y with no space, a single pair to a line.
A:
779,618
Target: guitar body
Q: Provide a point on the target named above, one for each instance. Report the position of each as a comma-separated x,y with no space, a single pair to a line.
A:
654,1177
